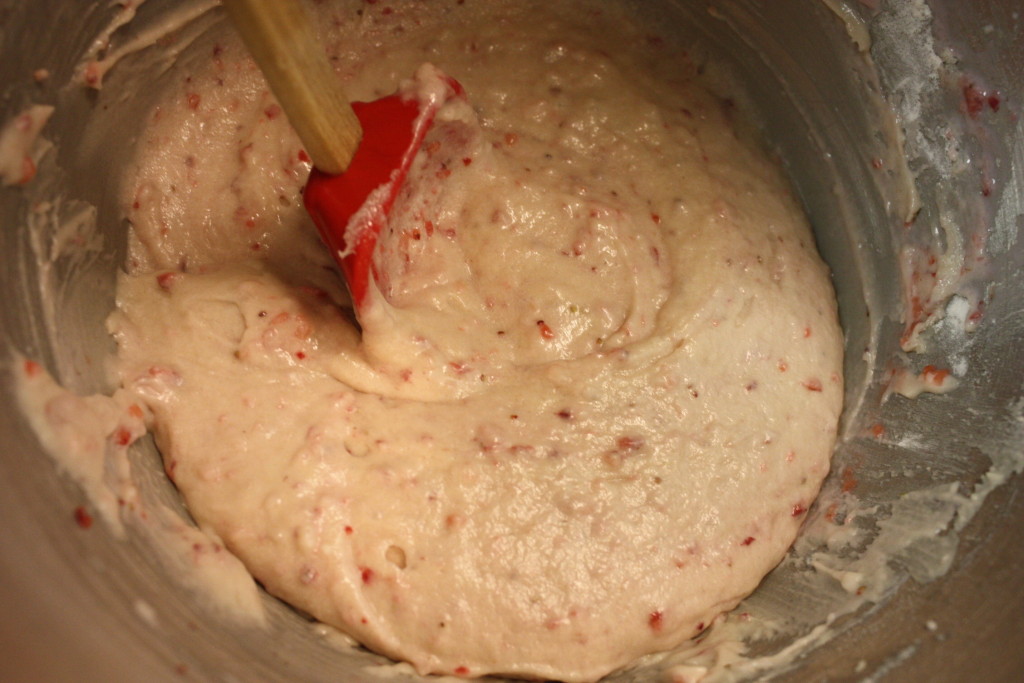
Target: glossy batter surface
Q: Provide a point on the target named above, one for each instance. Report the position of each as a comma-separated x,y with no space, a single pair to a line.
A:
589,403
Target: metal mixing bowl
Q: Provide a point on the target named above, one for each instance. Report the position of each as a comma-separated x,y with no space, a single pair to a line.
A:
825,77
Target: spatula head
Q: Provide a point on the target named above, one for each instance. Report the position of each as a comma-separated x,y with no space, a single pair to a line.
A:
350,209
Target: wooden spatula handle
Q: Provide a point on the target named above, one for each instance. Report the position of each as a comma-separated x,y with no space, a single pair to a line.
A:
280,38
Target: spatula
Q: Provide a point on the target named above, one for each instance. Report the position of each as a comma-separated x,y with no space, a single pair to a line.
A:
361,151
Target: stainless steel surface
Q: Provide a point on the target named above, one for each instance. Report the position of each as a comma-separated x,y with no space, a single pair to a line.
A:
71,597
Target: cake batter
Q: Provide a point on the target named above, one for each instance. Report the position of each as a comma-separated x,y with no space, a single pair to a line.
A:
596,389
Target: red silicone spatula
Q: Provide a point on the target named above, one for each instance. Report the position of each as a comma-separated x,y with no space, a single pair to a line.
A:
361,151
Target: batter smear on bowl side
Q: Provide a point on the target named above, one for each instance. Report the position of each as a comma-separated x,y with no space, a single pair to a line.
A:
593,389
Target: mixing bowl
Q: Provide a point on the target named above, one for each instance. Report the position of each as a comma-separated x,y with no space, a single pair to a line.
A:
898,121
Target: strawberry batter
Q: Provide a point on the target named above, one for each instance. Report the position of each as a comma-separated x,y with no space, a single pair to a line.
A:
592,395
